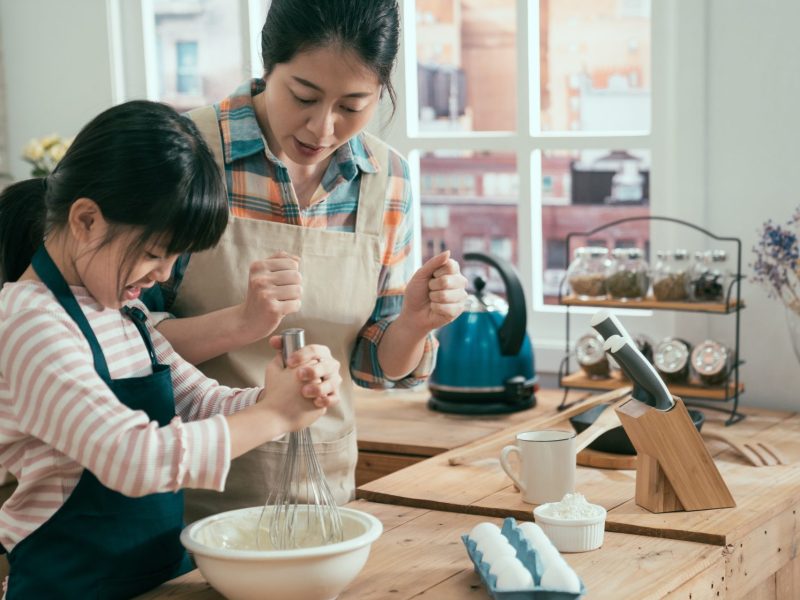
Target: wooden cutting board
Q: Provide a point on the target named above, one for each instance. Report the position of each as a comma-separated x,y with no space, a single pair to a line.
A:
481,487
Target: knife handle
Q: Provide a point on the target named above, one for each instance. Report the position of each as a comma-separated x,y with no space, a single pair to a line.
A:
607,324
643,372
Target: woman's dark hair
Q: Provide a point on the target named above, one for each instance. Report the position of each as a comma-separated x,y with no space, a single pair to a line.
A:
144,165
370,28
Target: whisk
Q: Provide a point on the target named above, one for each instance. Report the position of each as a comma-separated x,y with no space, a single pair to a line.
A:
300,510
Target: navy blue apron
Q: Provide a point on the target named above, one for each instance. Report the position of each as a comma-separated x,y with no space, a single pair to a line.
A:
100,543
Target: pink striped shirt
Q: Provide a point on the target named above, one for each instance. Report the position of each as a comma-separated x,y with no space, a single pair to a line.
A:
58,417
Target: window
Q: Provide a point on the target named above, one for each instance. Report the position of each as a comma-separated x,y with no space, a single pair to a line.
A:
522,120
188,81
548,105
198,51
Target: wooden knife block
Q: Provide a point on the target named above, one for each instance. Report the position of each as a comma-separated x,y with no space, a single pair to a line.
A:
674,469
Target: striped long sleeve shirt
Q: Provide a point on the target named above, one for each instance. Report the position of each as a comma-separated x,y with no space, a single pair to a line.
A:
259,187
58,417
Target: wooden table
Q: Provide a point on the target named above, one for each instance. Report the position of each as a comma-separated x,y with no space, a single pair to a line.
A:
420,552
397,429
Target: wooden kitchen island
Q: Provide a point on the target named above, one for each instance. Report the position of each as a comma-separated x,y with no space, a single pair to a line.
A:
748,551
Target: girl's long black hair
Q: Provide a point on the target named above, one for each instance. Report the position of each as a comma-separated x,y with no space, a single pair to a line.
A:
144,165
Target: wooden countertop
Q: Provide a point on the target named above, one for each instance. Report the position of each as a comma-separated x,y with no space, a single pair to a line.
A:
400,422
420,552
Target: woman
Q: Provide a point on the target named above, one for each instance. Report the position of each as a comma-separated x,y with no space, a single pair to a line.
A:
321,216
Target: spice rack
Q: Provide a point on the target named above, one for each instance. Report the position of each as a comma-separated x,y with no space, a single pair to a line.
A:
729,391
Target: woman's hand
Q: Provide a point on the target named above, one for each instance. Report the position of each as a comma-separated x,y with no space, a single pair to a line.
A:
435,295
274,290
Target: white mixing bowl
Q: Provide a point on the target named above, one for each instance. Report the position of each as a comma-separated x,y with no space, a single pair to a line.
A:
224,549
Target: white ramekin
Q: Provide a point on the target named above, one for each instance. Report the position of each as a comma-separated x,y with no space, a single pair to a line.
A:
572,535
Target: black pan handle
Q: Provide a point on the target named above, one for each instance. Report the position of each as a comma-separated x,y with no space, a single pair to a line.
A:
512,331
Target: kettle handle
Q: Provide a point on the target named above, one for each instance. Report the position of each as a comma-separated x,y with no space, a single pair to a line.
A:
512,331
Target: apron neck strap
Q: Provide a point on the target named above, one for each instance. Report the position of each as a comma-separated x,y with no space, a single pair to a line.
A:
48,272
137,316
373,190
205,118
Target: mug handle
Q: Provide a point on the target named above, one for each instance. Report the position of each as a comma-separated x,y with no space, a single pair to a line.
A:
507,466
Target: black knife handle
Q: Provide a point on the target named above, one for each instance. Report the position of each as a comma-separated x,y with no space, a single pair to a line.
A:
645,374
606,324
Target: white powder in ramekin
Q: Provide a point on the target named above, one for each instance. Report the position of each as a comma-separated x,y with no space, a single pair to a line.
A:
572,506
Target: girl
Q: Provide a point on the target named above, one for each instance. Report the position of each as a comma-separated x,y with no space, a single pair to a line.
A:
305,180
101,422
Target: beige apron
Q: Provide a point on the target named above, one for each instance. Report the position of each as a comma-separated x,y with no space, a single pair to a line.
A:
340,281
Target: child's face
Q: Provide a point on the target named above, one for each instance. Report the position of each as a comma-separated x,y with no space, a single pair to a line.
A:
114,276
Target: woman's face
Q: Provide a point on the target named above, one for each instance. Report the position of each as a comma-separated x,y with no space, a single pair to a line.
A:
316,102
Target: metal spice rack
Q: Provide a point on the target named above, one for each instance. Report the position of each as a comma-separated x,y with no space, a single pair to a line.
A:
702,394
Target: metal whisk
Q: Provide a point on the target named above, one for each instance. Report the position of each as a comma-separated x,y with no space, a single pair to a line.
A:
300,510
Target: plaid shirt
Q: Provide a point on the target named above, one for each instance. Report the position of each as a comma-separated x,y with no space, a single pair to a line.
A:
333,206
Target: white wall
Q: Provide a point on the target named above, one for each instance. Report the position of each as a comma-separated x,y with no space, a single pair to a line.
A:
753,154
57,69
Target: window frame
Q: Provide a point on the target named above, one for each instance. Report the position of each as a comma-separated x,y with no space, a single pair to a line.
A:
677,41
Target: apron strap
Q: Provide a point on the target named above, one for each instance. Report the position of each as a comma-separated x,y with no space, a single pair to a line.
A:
48,272
205,118
369,216
138,318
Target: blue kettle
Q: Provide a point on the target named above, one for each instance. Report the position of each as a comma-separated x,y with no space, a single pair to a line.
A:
485,362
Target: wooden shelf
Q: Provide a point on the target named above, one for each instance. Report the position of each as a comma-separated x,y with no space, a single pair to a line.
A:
651,303
580,380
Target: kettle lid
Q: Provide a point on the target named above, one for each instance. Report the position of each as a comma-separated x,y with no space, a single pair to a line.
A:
483,300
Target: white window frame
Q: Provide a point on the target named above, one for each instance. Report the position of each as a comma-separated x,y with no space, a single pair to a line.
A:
677,95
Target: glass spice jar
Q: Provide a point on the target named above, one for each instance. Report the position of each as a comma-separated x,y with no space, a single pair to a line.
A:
671,276
591,356
630,275
588,271
699,269
710,276
671,359
712,362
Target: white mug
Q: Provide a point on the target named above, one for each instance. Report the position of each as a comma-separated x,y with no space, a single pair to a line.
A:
547,465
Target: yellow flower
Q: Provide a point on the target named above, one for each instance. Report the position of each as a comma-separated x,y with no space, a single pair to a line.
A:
50,140
34,151
57,151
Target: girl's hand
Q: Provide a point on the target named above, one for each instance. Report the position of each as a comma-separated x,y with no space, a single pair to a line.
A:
435,294
317,370
300,393
274,289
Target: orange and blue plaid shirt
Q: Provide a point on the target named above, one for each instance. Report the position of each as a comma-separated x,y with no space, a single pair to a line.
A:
268,196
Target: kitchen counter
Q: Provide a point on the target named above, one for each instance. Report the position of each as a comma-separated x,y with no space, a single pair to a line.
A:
759,537
750,550
420,552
